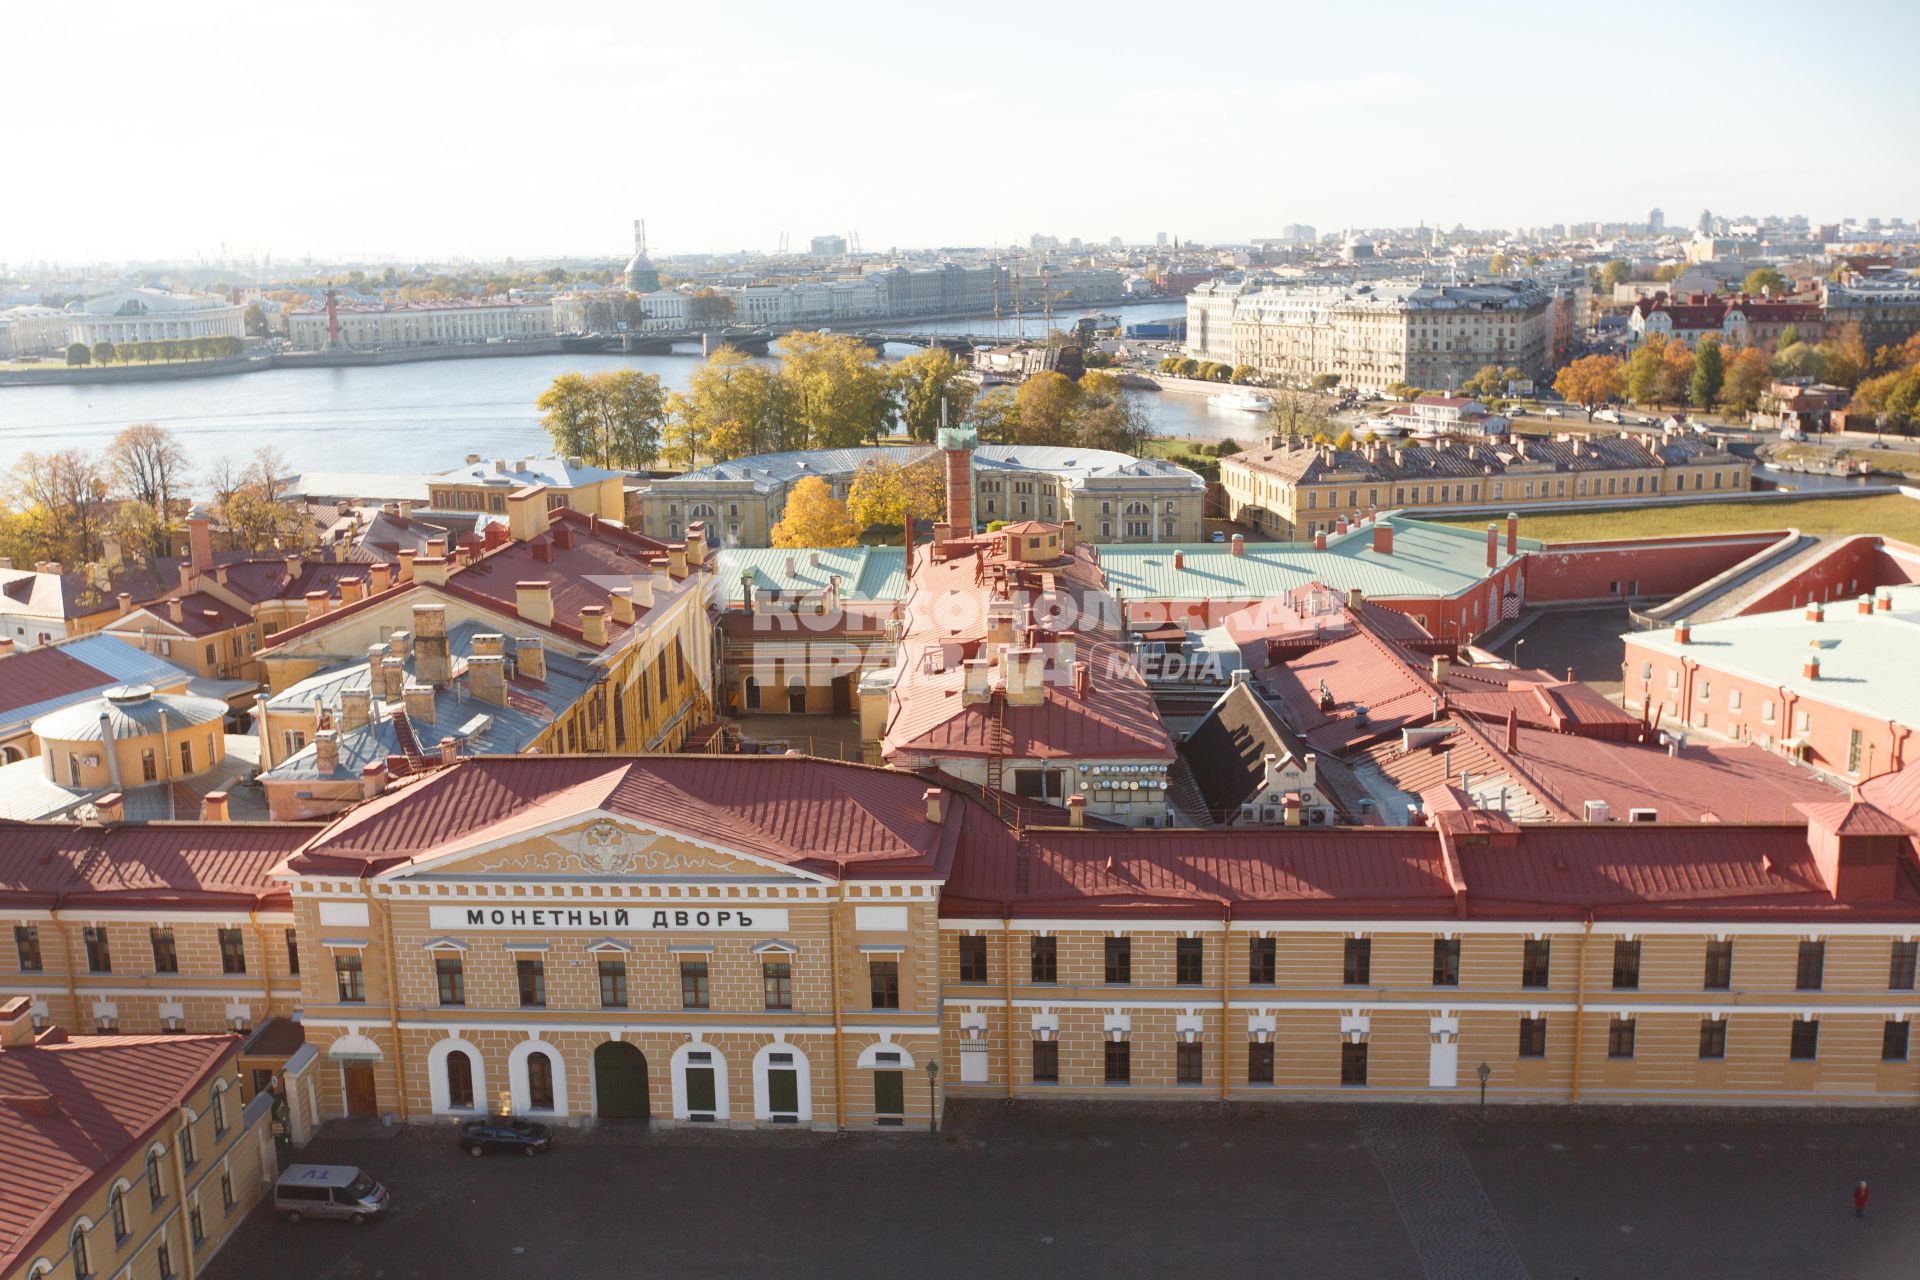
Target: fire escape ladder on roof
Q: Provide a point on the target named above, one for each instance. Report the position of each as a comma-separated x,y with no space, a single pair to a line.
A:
403,734
1022,865
997,744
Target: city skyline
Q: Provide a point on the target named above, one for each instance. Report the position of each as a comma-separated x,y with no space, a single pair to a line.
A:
498,138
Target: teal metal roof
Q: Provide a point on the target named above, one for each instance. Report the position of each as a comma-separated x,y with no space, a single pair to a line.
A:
1428,560
1866,659
865,573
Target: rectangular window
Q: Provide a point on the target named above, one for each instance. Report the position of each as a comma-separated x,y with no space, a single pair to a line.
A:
99,953
451,973
1188,963
226,1190
1260,1062
1719,976
1901,970
1357,962
1119,1062
532,978
1533,1037
26,945
1119,960
613,984
1805,1045
1536,962
1626,964
1260,962
693,985
1620,1038
348,977
1353,1063
883,977
1811,971
1713,1038
233,951
1855,745
293,951
776,979
166,956
1188,1062
1446,962
1893,1041
973,959
1046,1062
1045,959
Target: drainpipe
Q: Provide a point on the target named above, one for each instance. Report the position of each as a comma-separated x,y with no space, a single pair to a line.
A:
1006,951
1226,989
108,747
839,1029
1580,1009
393,998
266,962
1687,667
180,1208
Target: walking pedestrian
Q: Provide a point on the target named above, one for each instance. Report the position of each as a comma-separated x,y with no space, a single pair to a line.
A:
1860,1194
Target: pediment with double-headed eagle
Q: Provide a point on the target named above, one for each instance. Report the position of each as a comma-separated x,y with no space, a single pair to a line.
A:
608,848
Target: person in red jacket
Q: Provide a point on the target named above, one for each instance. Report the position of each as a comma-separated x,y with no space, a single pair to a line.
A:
1860,1194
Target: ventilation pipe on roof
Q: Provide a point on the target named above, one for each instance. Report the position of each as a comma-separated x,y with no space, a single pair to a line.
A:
1866,604
1683,631
1812,670
1239,545
1493,546
1320,541
1077,810
1885,602
1816,612
373,779
107,749
1513,533
213,807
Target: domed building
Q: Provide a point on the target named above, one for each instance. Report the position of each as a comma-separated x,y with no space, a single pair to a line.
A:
642,275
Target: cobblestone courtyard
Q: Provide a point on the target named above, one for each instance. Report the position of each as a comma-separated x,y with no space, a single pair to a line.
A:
1076,1190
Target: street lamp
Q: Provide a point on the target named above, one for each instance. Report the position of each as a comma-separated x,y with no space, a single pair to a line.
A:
1516,650
933,1096
1485,1073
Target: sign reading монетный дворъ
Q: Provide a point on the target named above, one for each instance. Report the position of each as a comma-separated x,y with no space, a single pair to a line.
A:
646,919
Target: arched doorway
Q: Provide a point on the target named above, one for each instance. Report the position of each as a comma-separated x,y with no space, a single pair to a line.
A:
620,1082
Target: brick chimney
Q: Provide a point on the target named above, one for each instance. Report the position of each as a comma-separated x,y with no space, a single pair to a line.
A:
419,700
1383,538
393,677
449,750
641,591
1812,668
125,601
431,571
1513,729
1082,679
1884,603
620,601
487,678
316,605
527,516
326,751
1320,541
1239,545
1513,533
593,625
1179,560
936,801
533,601
530,657
1069,532
1355,598
978,676
200,541
437,547
1683,632
1442,668
350,591
373,779
176,611
407,556
355,709
959,463
697,543
16,1023
432,662
1076,810
379,577
1493,546
213,807
110,810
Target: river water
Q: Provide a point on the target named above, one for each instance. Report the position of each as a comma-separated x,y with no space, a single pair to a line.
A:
412,418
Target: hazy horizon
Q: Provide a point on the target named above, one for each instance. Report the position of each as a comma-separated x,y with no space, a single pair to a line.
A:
425,133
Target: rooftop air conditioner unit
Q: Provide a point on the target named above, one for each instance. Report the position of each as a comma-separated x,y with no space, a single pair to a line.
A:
1596,811
1643,815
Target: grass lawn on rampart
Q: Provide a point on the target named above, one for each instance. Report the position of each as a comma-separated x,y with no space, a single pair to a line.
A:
1889,515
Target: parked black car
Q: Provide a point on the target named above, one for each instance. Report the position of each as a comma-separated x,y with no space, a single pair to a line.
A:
505,1134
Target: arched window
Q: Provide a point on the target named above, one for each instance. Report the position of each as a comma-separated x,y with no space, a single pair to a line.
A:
1138,509
702,511
77,1242
459,1079
156,1190
539,1081
220,1109
117,1210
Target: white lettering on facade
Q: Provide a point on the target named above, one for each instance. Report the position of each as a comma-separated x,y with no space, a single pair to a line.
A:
562,919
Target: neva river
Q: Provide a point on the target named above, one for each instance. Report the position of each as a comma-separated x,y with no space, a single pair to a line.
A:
414,418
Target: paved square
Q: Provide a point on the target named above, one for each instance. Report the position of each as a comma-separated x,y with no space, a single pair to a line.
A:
1106,1190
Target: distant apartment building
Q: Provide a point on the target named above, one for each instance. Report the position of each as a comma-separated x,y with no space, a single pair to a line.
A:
153,315
1885,306
827,247
484,484
1376,334
365,326
1298,490
1740,321
1113,497
32,331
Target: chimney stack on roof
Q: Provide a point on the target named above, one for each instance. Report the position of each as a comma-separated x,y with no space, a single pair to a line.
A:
437,547
1513,534
1815,611
16,1023
431,571
530,658
1442,668
373,779
1513,729
1179,560
1355,598
936,801
350,591
1812,668
1239,545
593,624
213,807
1884,603
978,680
1683,632
1077,810
176,611
326,751
393,677
379,577
1493,546
407,556
677,561
110,809
355,708
533,601
200,540
697,544
487,678
620,601
432,661
527,516
1383,537
419,700
1320,541
449,750
1866,604
1068,531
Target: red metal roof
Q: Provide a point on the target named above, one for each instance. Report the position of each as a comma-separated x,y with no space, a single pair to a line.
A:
1854,818
40,675
1701,782
809,813
1540,700
73,1111
1360,674
158,865
581,557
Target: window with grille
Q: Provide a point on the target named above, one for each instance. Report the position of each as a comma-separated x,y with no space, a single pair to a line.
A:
1357,962
1044,956
1353,1063
1119,957
1118,1062
233,951
1805,1044
1719,976
166,956
973,959
1713,1038
26,945
1620,1038
1261,962
1260,1062
1626,964
1446,962
450,973
1536,962
99,950
293,951
348,977
1189,962
531,977
1900,971
1188,1062
1533,1037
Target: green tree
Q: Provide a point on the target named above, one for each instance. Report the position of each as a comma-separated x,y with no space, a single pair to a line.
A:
64,493
78,354
1591,381
1644,369
1763,280
1245,373
1676,373
1746,378
1617,272
838,392
733,406
1226,448
707,308
1043,409
922,383
1105,416
1297,415
1499,264
1709,372
995,415
147,465
814,518
1799,360
1487,382
612,419
254,320
1788,337
1667,272
1323,382
103,352
885,493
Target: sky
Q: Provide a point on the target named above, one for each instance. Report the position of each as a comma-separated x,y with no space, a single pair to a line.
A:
410,131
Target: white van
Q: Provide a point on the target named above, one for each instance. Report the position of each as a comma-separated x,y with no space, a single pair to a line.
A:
328,1191
1610,415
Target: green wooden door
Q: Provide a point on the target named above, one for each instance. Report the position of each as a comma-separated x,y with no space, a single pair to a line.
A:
700,1092
620,1082
889,1093
783,1092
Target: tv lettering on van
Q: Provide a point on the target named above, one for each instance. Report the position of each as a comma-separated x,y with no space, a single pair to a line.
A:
633,919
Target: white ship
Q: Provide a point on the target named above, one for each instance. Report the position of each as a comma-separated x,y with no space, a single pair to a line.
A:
1243,401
